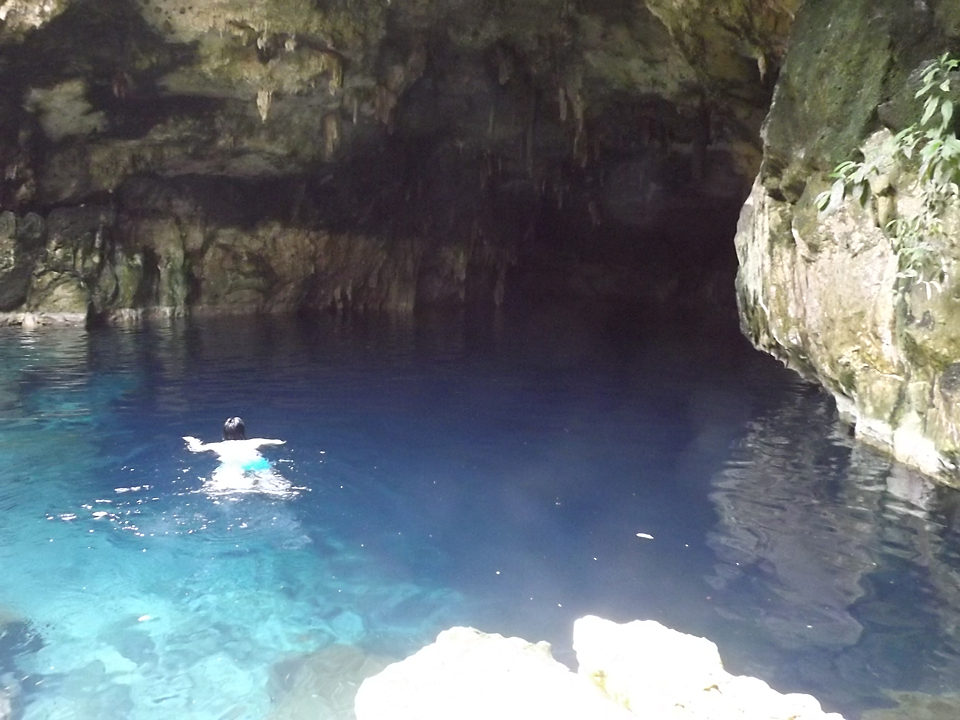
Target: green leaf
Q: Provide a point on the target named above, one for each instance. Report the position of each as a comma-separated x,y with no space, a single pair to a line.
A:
857,192
929,108
836,196
945,86
946,110
822,200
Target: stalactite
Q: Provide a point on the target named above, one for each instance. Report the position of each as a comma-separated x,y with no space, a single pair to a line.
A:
530,136
333,64
385,102
762,66
578,121
121,84
331,134
336,75
505,65
572,85
594,209
264,100
416,62
701,140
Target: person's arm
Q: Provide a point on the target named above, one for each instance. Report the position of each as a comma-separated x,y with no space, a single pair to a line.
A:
260,442
194,445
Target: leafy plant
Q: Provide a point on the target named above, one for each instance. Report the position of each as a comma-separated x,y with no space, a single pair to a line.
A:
933,143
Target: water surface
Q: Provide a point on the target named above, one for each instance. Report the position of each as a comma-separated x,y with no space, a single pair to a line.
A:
494,472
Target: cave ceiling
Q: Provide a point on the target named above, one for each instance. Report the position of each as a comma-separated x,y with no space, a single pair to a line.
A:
98,91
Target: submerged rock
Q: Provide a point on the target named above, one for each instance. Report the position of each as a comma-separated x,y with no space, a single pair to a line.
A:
322,684
9,698
17,637
641,669
918,706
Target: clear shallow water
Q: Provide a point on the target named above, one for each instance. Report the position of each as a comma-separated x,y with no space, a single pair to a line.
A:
494,473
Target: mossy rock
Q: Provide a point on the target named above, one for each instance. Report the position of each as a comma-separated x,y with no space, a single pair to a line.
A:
833,80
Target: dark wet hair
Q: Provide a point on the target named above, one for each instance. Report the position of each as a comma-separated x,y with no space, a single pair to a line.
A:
233,429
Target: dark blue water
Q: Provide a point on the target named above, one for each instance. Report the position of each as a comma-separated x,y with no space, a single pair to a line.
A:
494,472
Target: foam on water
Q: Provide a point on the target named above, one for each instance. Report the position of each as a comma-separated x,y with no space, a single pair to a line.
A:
511,476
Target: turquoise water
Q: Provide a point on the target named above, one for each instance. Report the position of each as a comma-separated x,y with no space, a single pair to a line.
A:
498,472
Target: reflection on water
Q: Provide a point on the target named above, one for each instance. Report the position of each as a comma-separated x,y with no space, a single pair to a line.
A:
845,561
511,473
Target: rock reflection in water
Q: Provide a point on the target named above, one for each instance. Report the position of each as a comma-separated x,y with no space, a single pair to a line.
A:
839,556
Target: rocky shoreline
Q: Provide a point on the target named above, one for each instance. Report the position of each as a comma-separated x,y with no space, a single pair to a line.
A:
638,669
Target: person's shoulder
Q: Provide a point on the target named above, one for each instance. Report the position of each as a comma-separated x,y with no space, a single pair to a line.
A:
221,445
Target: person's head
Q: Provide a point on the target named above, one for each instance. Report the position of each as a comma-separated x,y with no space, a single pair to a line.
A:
233,429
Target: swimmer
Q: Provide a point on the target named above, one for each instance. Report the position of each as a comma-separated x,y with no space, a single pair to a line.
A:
242,467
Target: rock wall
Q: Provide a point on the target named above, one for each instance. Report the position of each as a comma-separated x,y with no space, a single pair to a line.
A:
639,669
828,292
96,263
412,152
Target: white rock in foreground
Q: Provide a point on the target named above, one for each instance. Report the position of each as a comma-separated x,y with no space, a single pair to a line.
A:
467,675
640,669
658,672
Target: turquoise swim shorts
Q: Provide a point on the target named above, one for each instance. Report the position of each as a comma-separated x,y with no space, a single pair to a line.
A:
257,465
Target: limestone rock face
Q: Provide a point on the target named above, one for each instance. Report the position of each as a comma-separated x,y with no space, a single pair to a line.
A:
19,16
640,669
660,673
833,294
91,265
470,675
